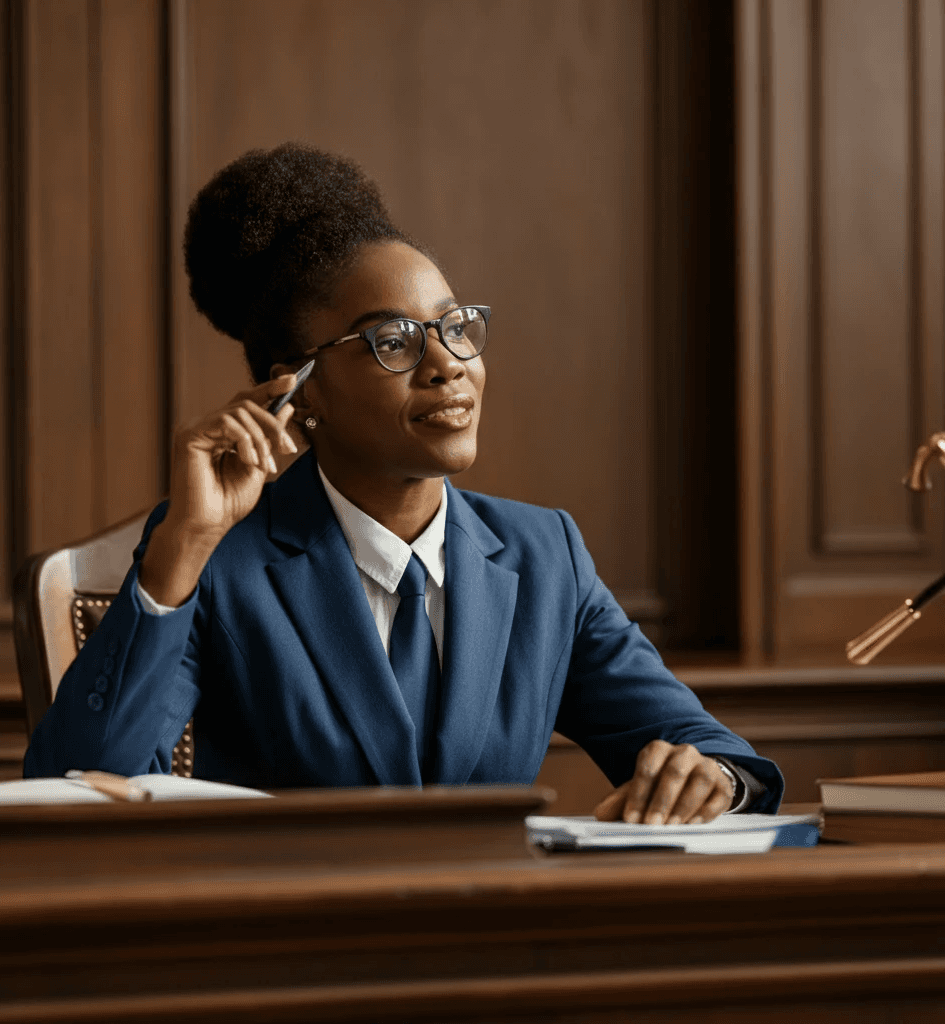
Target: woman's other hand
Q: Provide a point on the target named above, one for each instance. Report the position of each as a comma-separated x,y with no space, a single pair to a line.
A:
671,785
220,464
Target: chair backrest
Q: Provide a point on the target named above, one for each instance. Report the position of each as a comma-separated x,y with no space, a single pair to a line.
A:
49,594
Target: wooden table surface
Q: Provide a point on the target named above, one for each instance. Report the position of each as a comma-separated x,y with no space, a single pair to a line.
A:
835,933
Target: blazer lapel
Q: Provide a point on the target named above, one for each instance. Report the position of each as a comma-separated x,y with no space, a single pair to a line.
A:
322,593
480,604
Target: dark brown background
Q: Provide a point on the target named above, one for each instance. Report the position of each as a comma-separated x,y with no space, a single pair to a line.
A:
711,234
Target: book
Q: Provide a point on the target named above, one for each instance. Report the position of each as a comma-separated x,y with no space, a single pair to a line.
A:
160,787
885,808
729,833
918,793
883,827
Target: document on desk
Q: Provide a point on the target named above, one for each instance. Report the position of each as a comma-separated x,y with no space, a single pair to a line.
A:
730,833
155,787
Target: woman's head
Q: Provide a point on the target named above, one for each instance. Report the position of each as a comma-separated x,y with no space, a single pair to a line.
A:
289,249
269,237
374,422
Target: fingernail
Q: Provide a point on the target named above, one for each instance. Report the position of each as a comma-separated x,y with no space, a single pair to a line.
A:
633,818
255,456
273,468
695,821
290,443
655,818
674,820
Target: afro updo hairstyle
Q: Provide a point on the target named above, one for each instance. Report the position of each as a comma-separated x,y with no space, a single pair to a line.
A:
269,237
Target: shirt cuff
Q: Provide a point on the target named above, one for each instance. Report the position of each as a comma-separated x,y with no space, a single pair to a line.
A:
747,787
150,605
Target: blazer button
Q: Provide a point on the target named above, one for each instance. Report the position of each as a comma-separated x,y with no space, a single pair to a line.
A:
101,684
108,666
113,645
96,701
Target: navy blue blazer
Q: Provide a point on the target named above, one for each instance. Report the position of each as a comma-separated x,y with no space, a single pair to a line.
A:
278,659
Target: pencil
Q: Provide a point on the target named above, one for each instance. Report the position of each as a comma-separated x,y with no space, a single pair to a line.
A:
115,786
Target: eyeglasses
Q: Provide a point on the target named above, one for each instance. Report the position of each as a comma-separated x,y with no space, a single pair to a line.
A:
399,345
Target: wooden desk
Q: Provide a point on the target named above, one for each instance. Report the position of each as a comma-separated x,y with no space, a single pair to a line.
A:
833,934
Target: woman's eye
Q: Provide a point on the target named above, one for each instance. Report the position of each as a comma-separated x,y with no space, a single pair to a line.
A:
390,343
455,331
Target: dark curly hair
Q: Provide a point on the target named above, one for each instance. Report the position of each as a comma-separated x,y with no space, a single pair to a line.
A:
269,237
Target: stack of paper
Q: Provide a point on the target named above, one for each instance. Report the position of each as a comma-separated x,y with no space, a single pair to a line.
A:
730,833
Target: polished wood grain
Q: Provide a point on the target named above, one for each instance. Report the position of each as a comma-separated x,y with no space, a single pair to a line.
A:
300,829
610,937
840,276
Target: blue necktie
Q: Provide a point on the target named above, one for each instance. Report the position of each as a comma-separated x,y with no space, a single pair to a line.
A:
413,657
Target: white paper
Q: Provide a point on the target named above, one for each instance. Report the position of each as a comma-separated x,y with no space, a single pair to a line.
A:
161,787
729,833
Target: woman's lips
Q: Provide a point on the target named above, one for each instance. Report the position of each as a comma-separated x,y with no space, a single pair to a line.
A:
453,417
450,414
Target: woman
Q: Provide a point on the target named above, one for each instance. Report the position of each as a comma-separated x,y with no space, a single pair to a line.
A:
358,621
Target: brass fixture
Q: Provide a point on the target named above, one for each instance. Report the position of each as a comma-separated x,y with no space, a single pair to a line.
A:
918,478
862,649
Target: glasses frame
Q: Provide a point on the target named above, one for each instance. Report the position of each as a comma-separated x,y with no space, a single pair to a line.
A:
370,334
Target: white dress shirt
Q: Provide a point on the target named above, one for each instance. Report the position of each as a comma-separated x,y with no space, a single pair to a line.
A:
381,558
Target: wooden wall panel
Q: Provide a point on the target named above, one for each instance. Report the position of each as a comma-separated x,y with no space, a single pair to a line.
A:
863,344
516,139
133,416
695,465
87,329
537,146
62,249
841,230
84,421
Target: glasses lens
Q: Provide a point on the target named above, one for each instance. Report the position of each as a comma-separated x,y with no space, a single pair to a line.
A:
464,331
398,344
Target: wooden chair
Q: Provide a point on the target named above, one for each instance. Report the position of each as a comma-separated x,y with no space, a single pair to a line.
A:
59,598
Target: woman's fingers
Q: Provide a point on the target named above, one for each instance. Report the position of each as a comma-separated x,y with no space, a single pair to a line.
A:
262,445
233,436
704,789
684,764
259,398
631,799
647,777
717,804
671,784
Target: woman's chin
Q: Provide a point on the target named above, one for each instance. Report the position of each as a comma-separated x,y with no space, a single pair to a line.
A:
457,456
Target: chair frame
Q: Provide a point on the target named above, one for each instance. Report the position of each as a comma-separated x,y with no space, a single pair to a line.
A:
43,591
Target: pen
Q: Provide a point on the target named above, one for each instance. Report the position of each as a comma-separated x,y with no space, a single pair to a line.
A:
115,786
300,378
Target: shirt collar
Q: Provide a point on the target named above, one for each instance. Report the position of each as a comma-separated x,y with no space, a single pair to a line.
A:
381,554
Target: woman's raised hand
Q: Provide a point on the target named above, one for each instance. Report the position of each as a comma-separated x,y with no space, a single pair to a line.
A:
220,463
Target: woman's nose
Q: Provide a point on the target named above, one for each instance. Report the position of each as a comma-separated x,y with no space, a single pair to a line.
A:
438,363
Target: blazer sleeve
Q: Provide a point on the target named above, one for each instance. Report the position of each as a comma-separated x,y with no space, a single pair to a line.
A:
619,695
123,703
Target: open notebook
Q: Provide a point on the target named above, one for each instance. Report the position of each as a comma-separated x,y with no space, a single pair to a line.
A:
161,787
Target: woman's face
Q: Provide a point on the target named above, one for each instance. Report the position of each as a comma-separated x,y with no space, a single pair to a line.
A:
375,423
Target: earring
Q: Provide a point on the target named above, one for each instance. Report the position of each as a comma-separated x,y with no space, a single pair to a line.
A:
311,423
